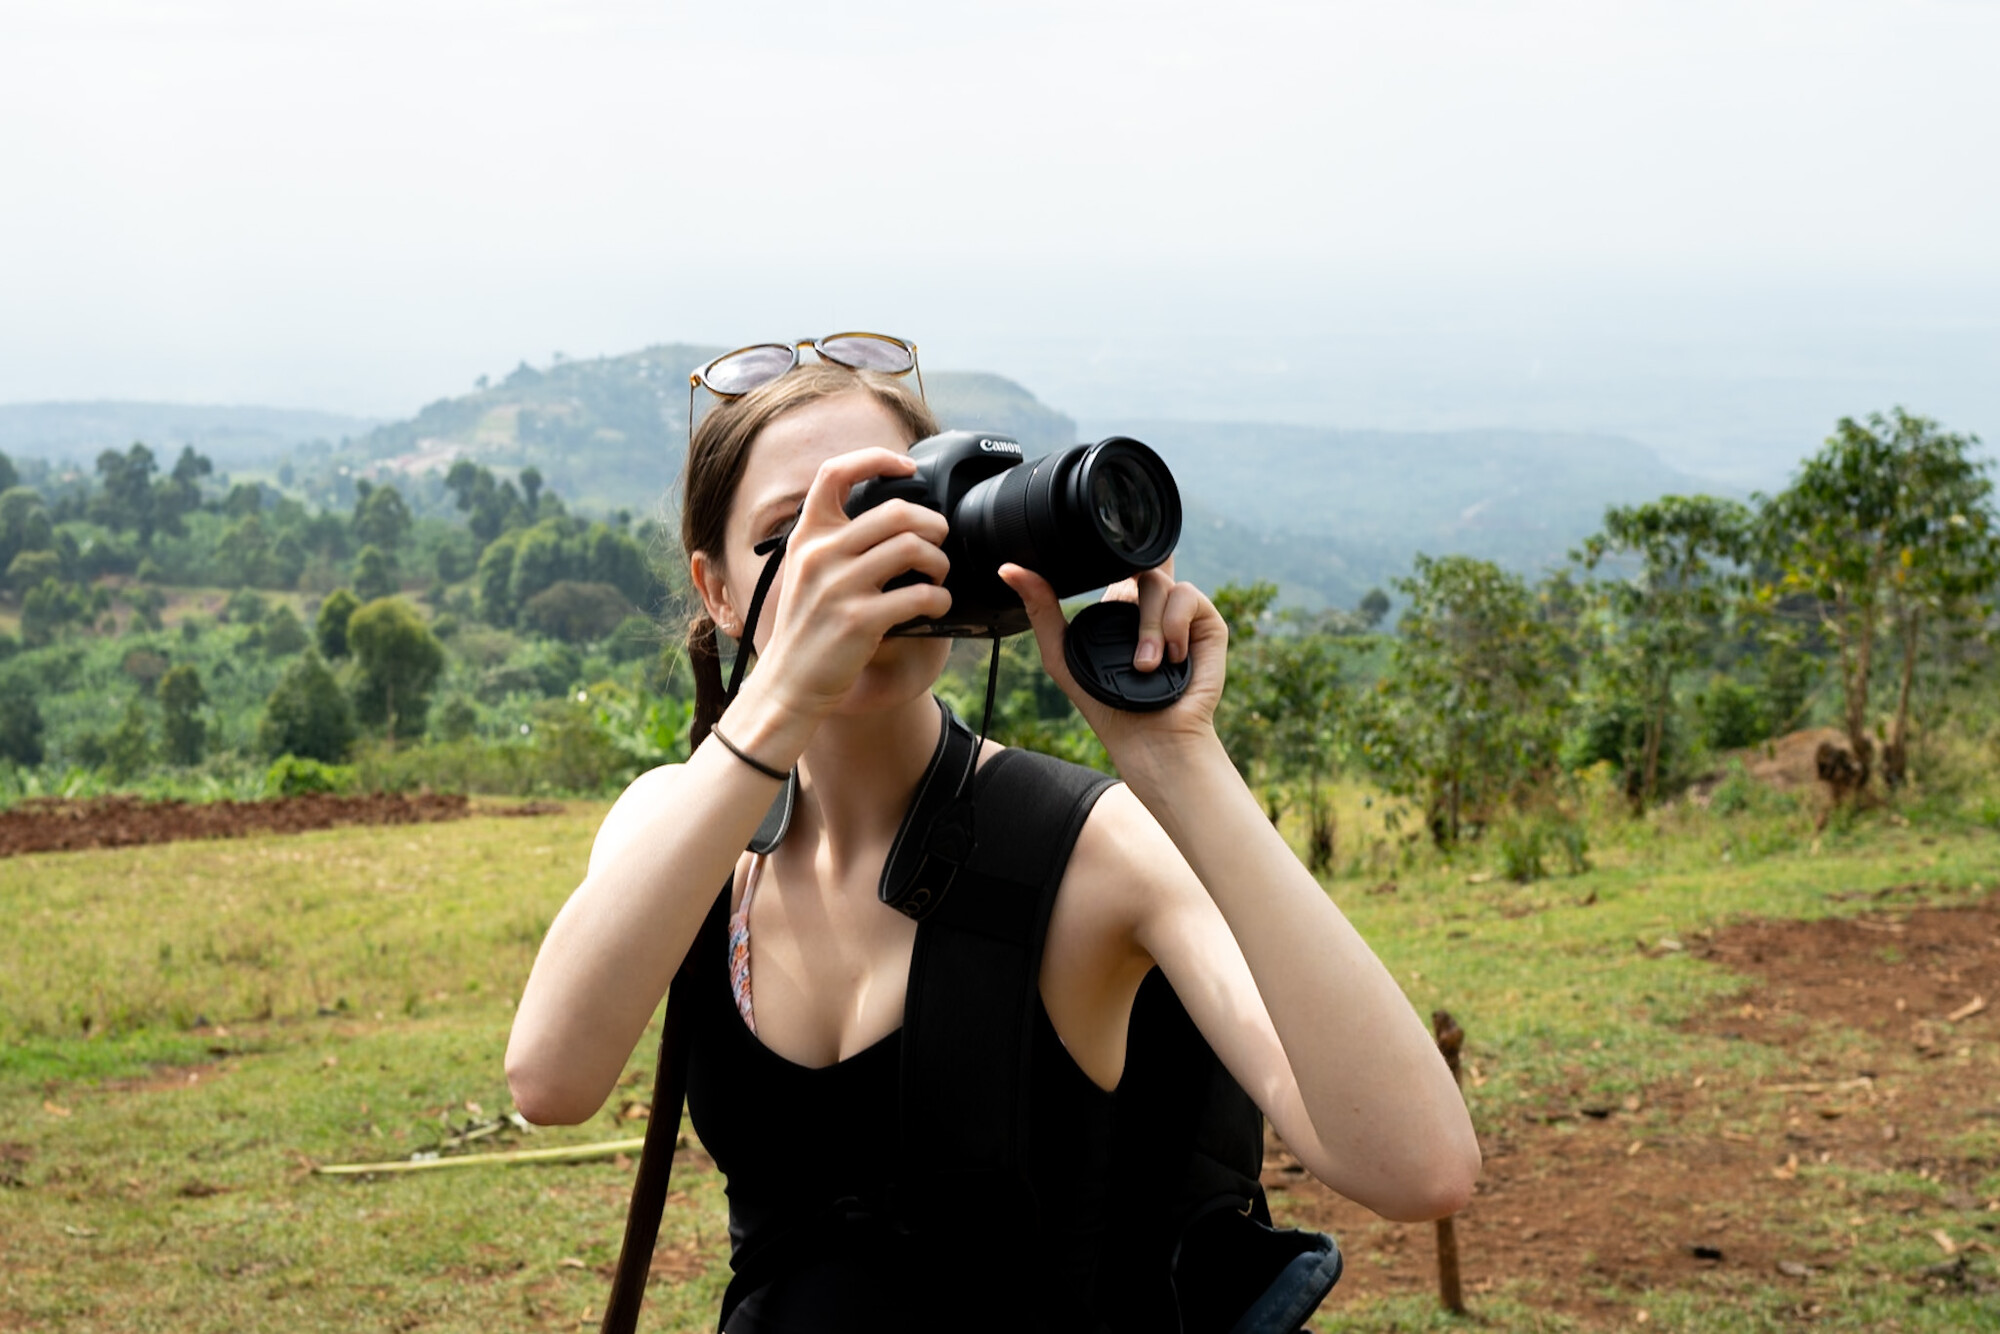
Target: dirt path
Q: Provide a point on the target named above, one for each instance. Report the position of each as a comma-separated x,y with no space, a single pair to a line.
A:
1705,1187
51,824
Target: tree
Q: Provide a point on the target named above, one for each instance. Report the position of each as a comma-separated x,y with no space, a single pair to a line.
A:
330,628
495,580
1295,685
1469,713
399,662
29,569
1688,551
9,478
124,502
1374,607
21,723
381,518
284,634
375,574
1889,529
129,749
307,715
24,524
181,697
576,613
531,489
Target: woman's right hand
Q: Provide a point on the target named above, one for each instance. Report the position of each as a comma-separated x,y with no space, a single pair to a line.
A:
829,611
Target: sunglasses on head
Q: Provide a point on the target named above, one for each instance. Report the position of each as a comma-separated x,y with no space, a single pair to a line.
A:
735,374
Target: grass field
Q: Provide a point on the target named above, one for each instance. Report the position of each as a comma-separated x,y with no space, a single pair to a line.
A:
187,1029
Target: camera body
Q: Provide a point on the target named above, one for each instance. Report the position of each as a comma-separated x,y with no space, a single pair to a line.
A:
1081,517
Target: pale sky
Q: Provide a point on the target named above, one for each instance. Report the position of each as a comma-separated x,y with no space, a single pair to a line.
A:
360,206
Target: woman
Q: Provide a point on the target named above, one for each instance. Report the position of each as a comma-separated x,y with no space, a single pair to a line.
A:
1176,867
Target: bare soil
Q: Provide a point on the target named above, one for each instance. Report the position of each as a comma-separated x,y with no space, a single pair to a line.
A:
1713,1186
49,824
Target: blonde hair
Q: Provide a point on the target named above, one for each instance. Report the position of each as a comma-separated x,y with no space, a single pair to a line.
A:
719,452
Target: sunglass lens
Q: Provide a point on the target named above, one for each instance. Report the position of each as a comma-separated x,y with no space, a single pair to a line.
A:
742,371
867,352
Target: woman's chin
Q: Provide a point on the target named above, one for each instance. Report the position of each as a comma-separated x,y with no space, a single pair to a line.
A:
903,669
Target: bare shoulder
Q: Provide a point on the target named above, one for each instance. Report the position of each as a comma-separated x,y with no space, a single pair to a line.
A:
1125,863
642,797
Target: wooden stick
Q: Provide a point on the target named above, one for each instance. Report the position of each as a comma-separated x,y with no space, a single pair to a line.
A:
1450,1038
575,1153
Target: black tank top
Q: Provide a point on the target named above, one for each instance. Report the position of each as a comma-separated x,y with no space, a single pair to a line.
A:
810,1156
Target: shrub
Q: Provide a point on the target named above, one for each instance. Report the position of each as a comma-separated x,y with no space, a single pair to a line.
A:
1732,715
284,633
295,776
244,607
307,715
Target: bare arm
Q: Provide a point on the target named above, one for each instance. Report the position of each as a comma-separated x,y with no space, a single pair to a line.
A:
672,839
1281,984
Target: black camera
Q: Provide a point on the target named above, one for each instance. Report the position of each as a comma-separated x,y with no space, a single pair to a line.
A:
1081,518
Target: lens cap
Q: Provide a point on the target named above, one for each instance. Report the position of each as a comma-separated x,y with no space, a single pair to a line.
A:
1098,648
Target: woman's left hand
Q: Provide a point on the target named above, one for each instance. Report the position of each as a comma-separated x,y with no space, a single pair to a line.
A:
1176,622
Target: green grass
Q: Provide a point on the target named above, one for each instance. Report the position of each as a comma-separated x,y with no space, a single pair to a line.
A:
345,996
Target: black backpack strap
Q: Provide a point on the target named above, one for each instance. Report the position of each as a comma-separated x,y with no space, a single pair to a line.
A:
969,1013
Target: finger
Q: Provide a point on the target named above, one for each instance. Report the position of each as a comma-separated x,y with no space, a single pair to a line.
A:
1046,616
883,522
1184,604
899,555
1154,588
1125,590
826,498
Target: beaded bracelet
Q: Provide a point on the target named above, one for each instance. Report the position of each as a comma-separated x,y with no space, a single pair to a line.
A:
754,763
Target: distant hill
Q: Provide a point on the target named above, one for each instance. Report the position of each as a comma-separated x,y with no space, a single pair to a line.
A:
1376,498
231,436
609,429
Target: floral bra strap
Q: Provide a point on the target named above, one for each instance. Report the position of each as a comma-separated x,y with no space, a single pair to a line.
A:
739,946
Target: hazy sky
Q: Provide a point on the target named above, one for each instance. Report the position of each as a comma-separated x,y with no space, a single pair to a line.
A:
362,205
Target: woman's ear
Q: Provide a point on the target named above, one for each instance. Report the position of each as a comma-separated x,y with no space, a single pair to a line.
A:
714,589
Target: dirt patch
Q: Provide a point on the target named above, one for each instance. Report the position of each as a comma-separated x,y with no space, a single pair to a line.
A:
1790,763
1704,1187
1921,976
49,824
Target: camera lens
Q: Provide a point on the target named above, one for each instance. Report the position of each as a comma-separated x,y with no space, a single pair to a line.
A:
1081,518
1127,506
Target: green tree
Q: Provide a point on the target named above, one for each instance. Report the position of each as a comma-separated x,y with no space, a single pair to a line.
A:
21,724
1374,608
375,574
307,715
330,628
1889,530
1687,551
24,524
494,579
381,518
284,633
1295,685
8,476
181,697
124,501
1470,711
128,751
29,569
399,662
575,613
